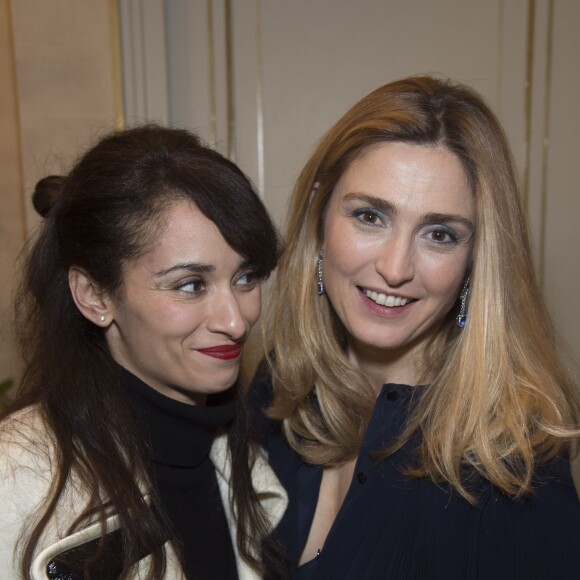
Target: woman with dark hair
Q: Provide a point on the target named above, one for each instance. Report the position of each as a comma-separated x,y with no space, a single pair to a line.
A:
127,451
418,412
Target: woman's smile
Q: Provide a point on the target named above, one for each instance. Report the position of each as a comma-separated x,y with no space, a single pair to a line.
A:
223,351
386,306
388,300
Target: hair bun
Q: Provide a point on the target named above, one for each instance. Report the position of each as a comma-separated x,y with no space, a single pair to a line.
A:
46,193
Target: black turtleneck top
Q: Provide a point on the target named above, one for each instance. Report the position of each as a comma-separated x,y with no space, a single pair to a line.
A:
184,477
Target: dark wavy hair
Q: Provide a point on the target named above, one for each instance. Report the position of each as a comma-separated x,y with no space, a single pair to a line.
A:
107,211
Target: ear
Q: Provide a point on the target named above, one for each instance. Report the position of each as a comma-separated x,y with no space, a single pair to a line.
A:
92,302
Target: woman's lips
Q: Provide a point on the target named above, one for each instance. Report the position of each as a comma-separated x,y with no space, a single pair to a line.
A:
388,300
401,306
223,351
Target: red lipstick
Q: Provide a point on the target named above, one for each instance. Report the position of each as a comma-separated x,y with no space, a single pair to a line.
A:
223,351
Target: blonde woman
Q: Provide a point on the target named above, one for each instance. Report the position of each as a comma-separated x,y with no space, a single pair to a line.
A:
417,410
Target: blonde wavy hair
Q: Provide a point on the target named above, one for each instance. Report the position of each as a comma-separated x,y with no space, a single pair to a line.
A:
499,400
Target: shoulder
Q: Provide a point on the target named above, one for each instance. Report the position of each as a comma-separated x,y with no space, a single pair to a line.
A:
26,456
25,441
21,423
540,531
553,483
26,464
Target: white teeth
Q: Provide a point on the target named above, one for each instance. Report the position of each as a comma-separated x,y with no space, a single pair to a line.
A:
383,299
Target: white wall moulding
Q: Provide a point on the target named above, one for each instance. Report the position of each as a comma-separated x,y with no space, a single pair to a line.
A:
13,221
144,55
263,80
117,65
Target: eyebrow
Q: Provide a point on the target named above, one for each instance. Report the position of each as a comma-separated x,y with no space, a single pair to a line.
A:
377,202
195,268
444,218
391,209
192,267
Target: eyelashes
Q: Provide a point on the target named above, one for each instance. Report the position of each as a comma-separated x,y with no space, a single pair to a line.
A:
246,281
193,287
437,234
442,235
368,216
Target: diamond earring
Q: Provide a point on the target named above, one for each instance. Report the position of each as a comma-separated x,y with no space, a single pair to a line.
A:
320,283
461,319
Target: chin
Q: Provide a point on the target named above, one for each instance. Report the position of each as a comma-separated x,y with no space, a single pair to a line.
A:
220,387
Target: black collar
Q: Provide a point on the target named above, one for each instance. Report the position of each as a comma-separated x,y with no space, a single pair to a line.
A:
181,435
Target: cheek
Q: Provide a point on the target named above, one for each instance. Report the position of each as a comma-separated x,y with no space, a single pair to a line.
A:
179,319
340,254
446,278
251,306
346,256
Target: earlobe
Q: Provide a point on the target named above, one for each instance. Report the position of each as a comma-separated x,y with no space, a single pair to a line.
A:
90,299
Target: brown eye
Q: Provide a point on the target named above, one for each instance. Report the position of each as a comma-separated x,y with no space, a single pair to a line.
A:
369,217
248,280
194,287
442,236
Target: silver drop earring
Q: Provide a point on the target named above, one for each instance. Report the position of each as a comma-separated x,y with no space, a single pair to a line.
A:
462,316
320,283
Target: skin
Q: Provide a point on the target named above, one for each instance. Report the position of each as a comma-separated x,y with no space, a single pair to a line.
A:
399,223
189,291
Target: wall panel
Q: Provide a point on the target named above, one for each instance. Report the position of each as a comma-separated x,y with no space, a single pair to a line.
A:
12,215
298,65
561,268
59,90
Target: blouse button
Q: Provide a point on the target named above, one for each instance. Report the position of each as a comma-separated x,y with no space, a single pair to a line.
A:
362,477
392,395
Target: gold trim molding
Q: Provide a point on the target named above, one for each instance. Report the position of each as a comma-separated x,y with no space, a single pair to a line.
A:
117,64
546,141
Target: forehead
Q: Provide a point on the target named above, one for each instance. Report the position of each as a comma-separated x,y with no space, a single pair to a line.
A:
185,234
410,176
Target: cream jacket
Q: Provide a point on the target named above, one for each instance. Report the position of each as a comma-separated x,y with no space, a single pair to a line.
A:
26,472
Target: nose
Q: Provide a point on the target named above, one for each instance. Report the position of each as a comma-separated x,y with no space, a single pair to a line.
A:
226,316
395,261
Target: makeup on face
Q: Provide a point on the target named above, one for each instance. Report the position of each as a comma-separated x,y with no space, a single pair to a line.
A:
398,235
187,306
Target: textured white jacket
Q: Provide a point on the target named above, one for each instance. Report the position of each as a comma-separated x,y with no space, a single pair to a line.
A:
26,470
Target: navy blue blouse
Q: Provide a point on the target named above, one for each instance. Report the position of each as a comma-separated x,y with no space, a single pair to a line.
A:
398,528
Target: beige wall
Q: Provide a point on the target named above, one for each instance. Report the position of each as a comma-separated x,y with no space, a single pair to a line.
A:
12,222
58,89
296,66
560,238
293,68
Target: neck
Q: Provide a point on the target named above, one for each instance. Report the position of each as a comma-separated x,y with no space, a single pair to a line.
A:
382,366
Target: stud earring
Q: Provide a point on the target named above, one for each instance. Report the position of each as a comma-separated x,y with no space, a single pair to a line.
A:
102,318
461,319
320,284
